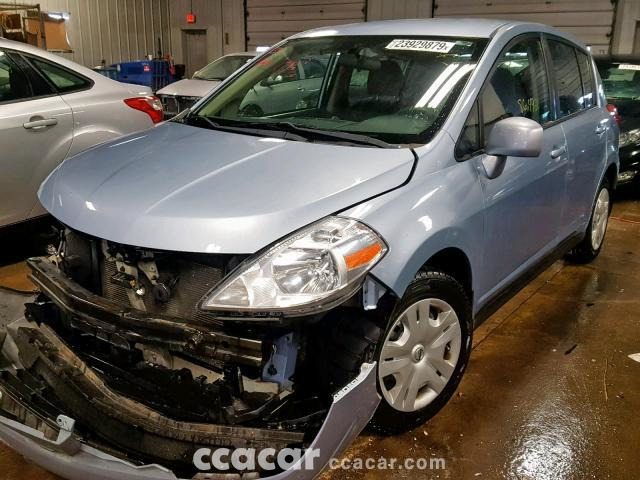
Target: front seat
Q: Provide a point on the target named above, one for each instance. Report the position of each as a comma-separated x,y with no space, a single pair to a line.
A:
383,91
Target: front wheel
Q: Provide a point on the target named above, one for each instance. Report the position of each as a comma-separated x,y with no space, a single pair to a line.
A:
590,246
423,353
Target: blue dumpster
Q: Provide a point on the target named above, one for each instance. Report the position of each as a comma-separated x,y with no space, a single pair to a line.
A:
151,73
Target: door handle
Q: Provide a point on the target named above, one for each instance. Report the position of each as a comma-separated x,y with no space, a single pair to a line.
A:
558,150
600,129
40,123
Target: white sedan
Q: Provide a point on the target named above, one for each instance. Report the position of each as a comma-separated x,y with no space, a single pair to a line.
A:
50,109
184,93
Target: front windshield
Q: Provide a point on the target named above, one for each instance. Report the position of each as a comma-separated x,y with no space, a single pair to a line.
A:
222,67
397,90
621,80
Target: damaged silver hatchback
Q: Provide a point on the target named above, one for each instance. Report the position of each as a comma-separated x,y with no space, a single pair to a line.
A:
306,251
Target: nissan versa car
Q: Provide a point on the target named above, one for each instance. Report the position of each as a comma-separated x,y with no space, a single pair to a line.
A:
184,93
51,109
621,81
281,280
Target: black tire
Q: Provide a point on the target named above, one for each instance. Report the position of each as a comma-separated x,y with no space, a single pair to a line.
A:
429,284
585,251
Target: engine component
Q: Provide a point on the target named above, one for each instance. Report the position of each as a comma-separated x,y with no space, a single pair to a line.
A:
163,288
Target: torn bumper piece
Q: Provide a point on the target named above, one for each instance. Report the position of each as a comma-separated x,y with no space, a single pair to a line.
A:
68,457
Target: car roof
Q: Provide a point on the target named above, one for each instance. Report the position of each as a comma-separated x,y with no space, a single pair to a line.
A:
436,27
52,57
457,27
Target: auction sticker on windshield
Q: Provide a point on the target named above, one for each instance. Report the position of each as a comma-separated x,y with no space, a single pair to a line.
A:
421,45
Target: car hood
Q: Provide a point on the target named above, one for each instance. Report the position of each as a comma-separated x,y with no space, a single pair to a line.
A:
182,188
189,87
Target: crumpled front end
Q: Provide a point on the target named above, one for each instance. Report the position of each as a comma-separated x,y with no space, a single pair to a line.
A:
115,373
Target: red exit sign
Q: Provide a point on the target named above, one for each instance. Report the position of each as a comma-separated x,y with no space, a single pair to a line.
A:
191,18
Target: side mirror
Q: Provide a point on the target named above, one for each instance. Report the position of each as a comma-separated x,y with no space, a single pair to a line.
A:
515,137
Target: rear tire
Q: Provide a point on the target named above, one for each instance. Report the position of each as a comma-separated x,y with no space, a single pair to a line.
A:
590,246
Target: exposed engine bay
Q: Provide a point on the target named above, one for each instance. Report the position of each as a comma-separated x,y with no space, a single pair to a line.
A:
116,341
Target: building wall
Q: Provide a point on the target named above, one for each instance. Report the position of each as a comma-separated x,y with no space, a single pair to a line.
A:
122,30
114,30
395,9
625,37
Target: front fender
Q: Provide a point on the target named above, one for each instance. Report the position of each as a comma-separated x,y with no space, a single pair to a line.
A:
440,210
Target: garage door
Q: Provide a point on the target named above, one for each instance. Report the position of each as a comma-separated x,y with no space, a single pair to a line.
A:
269,21
589,20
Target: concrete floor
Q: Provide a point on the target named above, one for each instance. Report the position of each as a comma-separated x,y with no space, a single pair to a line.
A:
550,392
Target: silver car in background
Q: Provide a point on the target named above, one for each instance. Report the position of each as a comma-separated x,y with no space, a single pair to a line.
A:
184,93
50,109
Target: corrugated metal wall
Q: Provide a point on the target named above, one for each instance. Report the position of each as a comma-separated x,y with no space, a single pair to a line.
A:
114,30
388,10
269,21
119,30
589,20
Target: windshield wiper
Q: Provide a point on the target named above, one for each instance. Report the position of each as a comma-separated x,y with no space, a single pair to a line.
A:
290,131
326,134
248,129
333,134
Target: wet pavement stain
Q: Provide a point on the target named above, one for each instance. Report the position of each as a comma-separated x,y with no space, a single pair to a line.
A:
550,393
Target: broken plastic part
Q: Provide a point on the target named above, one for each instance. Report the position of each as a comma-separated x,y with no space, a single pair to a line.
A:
372,291
282,364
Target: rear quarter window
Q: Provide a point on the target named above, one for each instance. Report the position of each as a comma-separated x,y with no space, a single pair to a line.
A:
64,80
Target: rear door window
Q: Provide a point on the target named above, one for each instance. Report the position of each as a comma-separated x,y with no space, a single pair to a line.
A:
566,77
586,73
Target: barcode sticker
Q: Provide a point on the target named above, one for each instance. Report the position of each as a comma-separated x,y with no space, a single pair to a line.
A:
421,45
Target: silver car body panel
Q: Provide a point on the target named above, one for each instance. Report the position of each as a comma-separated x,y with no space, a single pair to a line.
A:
84,119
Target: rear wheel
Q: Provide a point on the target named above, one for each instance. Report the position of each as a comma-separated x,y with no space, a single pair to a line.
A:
590,246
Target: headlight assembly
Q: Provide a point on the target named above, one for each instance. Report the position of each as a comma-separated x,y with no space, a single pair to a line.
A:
306,272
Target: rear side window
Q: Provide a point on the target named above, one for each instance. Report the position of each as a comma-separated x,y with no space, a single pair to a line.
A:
518,87
567,77
14,84
64,80
588,99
